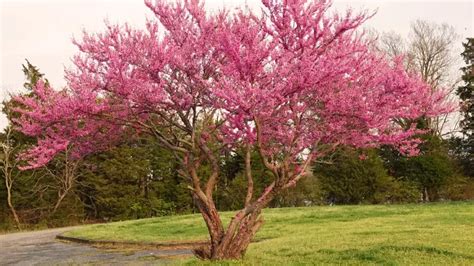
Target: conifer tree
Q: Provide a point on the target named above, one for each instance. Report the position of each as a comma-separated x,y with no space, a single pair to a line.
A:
466,94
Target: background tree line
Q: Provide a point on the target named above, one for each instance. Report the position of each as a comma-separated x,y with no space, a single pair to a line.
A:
139,179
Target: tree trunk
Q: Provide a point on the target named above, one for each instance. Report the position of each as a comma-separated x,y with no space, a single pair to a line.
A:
61,197
426,196
12,208
8,163
214,227
233,242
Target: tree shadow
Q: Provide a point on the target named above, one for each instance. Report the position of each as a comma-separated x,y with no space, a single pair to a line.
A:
379,254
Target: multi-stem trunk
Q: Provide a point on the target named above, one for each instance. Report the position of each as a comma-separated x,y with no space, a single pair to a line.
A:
232,242
66,180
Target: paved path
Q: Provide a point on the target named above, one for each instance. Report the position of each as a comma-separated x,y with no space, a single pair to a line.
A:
42,248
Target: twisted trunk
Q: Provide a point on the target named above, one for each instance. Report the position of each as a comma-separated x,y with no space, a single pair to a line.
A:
232,242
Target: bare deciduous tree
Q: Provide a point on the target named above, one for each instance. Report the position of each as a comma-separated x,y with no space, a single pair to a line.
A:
64,172
8,164
429,51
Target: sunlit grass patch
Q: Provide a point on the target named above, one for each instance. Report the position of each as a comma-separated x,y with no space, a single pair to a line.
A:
429,234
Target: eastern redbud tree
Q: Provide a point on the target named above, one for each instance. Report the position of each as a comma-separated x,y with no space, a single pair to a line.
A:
292,83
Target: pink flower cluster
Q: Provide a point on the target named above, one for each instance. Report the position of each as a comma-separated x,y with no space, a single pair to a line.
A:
295,79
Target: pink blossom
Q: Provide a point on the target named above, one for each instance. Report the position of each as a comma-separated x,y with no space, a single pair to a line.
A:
305,78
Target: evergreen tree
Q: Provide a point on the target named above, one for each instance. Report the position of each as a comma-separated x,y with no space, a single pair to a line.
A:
466,94
21,188
431,170
358,176
32,75
134,180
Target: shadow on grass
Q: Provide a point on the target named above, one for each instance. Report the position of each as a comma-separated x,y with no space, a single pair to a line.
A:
344,216
379,255
379,232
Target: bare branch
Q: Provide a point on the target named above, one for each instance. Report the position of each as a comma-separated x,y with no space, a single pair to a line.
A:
248,173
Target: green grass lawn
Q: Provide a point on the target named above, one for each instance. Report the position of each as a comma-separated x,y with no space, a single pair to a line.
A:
430,234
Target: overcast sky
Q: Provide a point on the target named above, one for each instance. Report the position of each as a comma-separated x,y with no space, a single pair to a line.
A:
41,30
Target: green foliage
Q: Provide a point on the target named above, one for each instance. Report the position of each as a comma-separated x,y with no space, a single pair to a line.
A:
307,192
4,216
32,76
430,170
465,151
352,179
457,187
232,187
134,180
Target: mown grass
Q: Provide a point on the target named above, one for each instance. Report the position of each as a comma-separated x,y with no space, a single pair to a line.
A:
428,234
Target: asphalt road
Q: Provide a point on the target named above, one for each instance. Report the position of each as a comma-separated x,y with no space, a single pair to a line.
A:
42,248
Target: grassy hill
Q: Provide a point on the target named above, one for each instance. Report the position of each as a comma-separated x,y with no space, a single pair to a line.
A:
430,234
